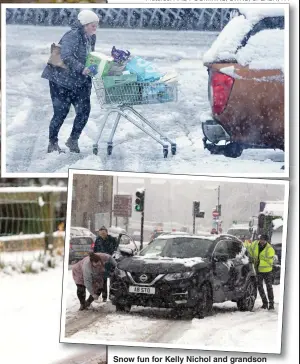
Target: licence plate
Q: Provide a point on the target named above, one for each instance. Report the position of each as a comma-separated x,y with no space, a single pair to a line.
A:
145,290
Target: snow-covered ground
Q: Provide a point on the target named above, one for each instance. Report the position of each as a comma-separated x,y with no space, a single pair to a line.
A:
227,329
29,109
19,257
30,321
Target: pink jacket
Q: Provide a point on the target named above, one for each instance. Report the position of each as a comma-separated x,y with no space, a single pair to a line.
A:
87,275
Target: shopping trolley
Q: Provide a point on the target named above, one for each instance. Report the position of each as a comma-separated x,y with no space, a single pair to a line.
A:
117,97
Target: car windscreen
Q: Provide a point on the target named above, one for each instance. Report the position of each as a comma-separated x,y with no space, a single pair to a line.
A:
240,233
178,247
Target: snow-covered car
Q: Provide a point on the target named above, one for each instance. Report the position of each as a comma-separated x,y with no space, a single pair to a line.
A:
80,246
246,84
241,231
81,231
186,272
127,241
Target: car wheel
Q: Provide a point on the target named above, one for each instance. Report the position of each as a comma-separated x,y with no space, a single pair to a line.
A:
233,150
123,308
246,303
205,304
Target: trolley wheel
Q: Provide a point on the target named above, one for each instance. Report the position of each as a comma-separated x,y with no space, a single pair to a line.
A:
173,149
165,151
109,149
95,150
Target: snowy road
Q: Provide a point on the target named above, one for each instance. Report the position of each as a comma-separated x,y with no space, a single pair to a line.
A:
226,329
29,110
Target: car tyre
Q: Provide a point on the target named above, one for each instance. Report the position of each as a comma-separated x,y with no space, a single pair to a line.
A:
123,308
205,305
233,150
246,303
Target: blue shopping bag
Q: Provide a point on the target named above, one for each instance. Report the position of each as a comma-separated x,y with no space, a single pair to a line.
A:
144,70
157,94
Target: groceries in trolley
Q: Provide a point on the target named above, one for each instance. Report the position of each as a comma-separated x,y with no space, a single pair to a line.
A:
131,79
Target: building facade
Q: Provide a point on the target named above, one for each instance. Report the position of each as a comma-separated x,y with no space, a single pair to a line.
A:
92,201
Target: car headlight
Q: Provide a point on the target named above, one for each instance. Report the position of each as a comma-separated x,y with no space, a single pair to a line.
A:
120,273
174,276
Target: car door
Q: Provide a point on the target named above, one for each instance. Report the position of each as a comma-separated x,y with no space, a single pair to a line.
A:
238,259
126,241
222,272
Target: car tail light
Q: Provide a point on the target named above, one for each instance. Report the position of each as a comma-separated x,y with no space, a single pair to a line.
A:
220,89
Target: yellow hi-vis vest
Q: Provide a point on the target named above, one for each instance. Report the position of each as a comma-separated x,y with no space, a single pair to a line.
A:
263,260
247,244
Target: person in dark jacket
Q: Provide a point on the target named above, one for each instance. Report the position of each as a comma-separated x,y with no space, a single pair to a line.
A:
72,85
106,244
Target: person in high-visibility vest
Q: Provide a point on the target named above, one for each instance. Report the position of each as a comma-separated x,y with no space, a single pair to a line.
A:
263,254
247,243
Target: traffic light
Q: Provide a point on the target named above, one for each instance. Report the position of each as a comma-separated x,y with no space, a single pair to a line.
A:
196,207
140,200
201,214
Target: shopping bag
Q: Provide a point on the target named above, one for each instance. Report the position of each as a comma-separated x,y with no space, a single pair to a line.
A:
144,70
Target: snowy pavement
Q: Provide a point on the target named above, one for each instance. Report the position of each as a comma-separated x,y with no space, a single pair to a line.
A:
227,329
30,321
29,110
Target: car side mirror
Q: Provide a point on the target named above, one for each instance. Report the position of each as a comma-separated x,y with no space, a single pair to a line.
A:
220,257
126,251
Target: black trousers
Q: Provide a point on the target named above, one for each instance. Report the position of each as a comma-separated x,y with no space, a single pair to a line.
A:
81,294
268,279
62,99
104,290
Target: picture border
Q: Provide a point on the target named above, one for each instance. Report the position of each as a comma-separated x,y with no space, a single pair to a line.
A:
72,172
285,6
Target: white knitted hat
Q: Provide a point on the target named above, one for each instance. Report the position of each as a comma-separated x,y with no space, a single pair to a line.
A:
87,16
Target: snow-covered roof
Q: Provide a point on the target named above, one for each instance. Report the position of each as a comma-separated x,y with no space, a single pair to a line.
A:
274,209
264,50
277,223
258,14
225,46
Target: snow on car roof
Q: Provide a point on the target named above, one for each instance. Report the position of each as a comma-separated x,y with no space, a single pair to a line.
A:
225,46
258,14
277,223
264,50
274,209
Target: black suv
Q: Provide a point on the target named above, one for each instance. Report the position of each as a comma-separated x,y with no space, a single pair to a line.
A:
186,272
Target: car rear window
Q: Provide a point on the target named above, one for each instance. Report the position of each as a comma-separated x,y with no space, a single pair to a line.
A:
81,241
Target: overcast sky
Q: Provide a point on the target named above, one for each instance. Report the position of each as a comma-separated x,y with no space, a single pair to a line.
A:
171,200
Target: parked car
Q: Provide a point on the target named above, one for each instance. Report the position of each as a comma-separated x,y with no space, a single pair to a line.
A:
127,241
241,231
187,272
155,234
80,246
246,85
81,231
